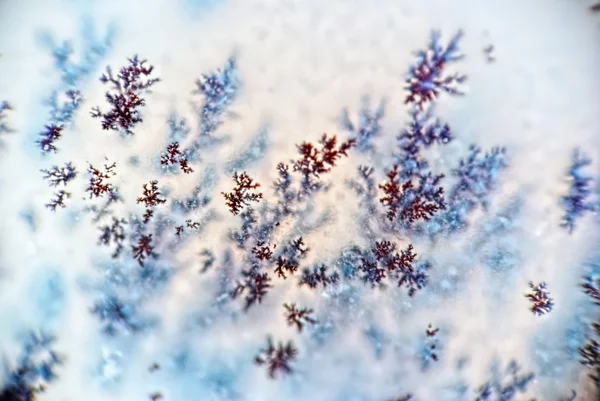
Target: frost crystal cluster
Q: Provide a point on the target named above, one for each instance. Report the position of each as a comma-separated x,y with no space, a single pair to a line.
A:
217,223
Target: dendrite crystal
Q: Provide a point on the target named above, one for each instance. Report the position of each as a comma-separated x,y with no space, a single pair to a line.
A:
125,97
541,303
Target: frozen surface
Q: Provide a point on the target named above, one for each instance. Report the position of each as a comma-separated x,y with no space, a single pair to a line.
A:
298,65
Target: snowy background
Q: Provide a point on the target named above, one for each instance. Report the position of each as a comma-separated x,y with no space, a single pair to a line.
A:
300,63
